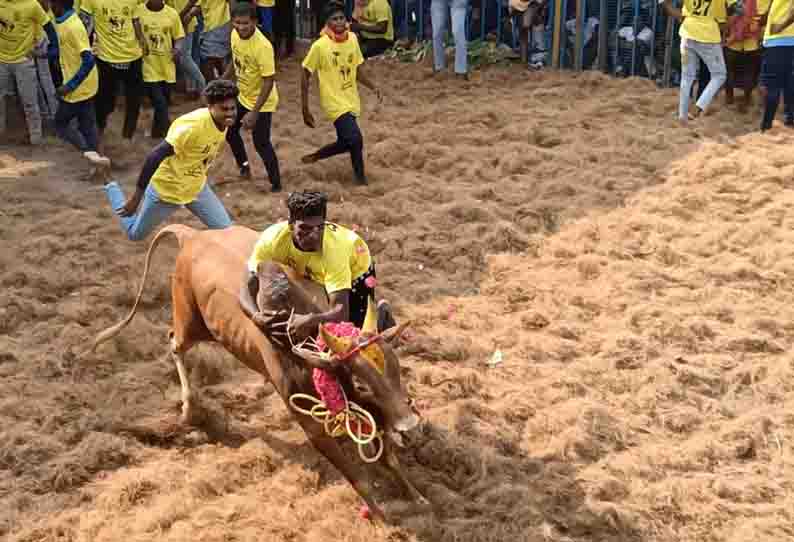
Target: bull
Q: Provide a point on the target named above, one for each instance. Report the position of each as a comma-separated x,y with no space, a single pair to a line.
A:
204,292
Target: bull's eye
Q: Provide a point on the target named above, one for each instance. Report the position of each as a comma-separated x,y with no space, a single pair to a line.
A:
360,386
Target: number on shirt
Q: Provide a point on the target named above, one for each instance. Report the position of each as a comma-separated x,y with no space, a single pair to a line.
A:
698,4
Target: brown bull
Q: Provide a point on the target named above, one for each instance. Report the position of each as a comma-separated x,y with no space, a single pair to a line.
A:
204,289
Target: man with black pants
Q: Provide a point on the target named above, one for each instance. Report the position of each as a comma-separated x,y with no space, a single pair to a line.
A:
254,67
337,59
121,46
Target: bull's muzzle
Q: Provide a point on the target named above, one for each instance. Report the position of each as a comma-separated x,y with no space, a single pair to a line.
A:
403,428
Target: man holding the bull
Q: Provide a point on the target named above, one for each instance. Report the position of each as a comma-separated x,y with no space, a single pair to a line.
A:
320,251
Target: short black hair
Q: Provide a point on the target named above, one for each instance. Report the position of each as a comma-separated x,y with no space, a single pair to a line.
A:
220,90
307,204
67,4
331,8
244,9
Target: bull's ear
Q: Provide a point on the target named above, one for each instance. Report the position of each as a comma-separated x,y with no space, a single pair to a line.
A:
393,333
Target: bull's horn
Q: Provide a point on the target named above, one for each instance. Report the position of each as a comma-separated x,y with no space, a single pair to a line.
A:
371,320
394,333
338,345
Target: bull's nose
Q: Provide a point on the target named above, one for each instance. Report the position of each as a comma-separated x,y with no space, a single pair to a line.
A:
407,423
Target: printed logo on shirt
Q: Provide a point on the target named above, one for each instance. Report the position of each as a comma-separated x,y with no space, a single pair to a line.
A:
6,26
117,24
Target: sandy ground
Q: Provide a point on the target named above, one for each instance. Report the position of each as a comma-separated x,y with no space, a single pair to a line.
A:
636,278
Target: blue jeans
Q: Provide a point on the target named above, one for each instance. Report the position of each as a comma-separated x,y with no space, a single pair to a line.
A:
264,17
189,66
84,136
711,55
777,78
439,16
154,211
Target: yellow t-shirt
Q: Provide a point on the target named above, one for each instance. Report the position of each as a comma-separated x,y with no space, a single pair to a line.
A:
751,44
20,25
702,20
114,30
777,13
179,5
161,29
336,65
378,11
196,140
343,258
265,3
216,13
72,41
253,60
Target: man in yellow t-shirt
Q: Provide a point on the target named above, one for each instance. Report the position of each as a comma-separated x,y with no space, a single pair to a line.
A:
163,32
215,41
375,28
80,83
778,63
254,66
177,169
21,22
320,251
701,40
120,44
337,60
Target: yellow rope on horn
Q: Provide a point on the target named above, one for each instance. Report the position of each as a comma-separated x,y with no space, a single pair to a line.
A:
340,424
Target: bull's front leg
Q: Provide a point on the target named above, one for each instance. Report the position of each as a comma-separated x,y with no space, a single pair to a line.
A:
355,473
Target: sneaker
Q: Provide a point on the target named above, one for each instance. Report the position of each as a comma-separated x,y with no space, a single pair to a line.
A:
97,159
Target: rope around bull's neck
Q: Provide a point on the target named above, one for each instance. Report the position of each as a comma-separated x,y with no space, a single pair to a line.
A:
342,423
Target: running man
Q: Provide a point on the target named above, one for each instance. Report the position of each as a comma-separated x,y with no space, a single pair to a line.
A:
162,30
323,252
80,83
701,40
254,66
177,169
20,24
337,60
121,46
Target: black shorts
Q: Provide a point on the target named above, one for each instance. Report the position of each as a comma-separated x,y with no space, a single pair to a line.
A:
360,296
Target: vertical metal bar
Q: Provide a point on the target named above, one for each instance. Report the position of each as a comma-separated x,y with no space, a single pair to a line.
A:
654,20
420,27
634,43
579,38
555,40
498,22
618,58
482,19
668,51
404,25
603,34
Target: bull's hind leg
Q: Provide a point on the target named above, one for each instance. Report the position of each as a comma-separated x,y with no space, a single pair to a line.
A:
188,329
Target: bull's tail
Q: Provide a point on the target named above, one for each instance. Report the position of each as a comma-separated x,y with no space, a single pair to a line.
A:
181,232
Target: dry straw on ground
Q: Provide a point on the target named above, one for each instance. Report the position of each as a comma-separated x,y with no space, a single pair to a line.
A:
637,278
